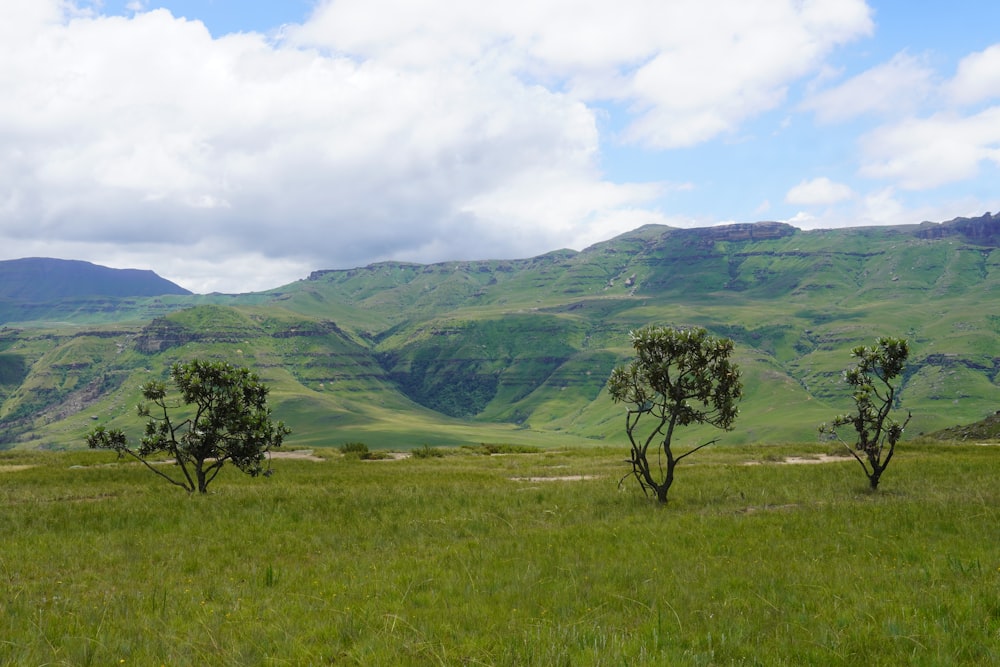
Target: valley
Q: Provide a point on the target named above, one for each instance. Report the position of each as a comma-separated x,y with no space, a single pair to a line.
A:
400,355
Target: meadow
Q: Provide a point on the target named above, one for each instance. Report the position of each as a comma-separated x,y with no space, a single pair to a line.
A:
456,556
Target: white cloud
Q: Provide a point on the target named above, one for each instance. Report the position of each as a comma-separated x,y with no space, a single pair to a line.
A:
889,206
893,88
922,153
914,150
977,78
145,130
690,72
818,192
451,130
883,207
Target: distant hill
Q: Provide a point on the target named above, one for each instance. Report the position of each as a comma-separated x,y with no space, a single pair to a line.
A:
518,351
986,429
40,279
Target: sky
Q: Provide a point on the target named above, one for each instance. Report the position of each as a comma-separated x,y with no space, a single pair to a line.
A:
238,145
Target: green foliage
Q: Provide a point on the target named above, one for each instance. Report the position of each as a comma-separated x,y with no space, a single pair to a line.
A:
459,366
358,448
13,369
427,452
227,420
679,377
874,395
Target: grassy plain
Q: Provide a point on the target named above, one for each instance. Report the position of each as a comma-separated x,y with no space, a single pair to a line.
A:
471,559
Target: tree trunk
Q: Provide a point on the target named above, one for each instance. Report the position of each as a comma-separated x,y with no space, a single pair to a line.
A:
200,473
662,489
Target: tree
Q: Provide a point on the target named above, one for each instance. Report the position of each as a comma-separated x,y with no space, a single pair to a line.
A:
679,377
874,399
226,419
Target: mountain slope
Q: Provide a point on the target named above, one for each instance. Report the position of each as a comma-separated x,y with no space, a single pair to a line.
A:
37,279
519,350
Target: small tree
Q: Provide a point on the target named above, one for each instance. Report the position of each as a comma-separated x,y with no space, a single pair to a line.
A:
874,399
679,377
227,419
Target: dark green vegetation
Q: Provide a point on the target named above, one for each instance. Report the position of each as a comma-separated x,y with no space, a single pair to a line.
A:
222,416
679,377
398,355
984,429
873,381
524,559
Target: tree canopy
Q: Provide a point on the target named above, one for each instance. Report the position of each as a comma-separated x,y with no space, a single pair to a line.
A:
875,396
222,416
679,377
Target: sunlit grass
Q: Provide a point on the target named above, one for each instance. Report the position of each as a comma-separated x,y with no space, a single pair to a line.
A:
468,558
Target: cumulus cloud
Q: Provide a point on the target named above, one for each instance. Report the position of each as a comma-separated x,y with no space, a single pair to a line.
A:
977,78
931,133
148,130
818,191
922,153
452,130
895,88
688,71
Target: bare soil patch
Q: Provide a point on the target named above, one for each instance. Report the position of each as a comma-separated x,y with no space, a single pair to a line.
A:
302,454
561,478
802,460
14,468
389,456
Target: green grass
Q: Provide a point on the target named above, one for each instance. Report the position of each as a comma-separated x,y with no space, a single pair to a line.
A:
466,558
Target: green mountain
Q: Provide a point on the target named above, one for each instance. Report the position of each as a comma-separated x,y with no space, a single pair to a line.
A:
398,354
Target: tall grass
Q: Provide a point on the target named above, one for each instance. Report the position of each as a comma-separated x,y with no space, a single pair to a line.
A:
472,559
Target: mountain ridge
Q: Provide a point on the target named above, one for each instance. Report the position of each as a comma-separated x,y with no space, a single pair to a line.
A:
41,279
519,350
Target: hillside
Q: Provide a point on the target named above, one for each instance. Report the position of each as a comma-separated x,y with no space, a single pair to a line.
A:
518,350
38,288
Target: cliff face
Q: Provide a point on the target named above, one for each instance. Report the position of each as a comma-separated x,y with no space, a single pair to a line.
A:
756,231
984,230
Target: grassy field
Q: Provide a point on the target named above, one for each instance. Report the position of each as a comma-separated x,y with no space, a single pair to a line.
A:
457,557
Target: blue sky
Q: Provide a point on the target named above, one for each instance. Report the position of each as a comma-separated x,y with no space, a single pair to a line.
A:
222,16
237,145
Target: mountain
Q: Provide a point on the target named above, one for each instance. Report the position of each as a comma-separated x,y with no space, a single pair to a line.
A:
401,354
39,279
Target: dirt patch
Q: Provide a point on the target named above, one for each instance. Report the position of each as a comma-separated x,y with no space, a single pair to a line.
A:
302,454
753,509
388,456
562,478
15,468
802,460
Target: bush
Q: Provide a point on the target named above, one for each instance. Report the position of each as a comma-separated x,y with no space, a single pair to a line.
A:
427,452
490,449
358,448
